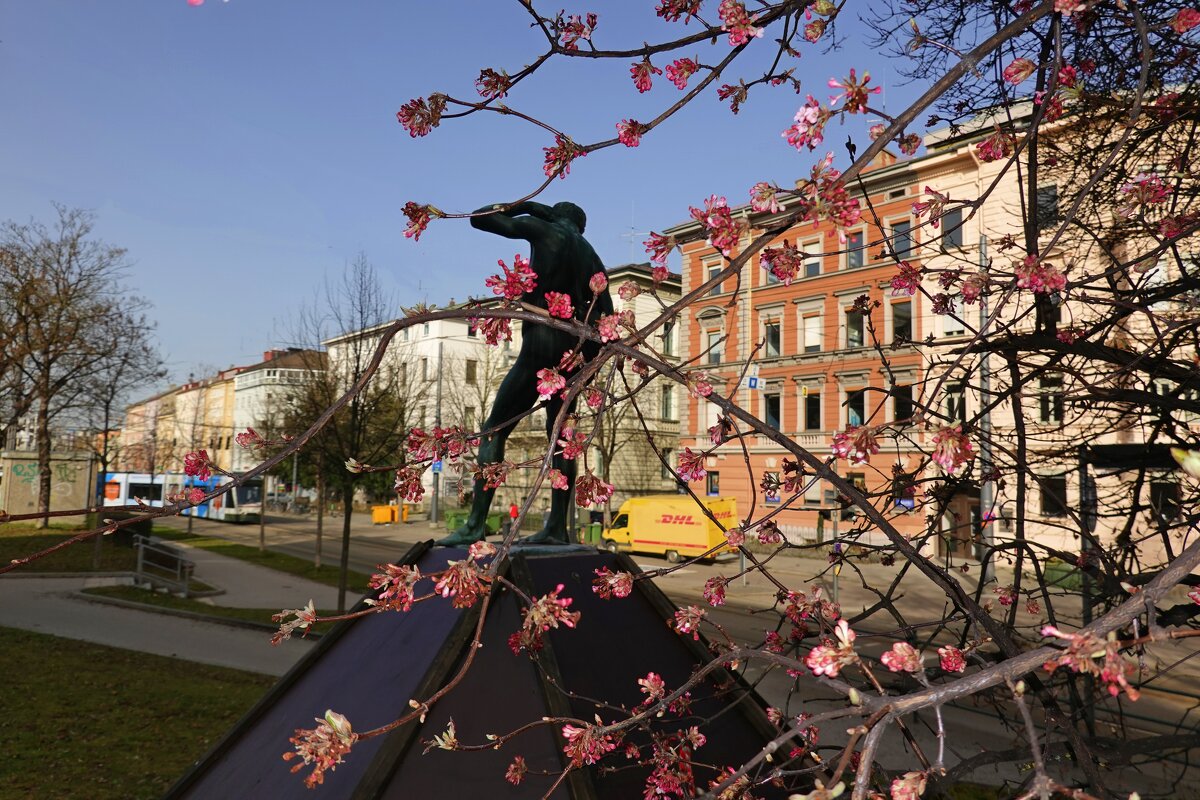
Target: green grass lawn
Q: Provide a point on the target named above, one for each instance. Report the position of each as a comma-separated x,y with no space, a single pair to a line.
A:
97,723
17,541
270,559
139,595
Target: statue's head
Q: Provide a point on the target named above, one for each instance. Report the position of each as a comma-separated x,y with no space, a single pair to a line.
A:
571,212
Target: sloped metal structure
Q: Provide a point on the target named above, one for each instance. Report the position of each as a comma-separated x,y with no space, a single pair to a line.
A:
368,669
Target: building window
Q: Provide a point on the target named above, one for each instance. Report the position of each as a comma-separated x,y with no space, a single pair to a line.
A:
668,338
812,412
1054,496
772,410
1164,500
856,407
855,249
667,402
952,233
902,329
812,333
902,404
772,339
956,402
472,371
1046,213
712,271
469,418
668,465
1050,398
812,259
424,369
902,241
951,325
713,342
425,329
712,484
855,329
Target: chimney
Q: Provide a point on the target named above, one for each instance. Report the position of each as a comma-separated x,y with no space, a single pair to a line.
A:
268,355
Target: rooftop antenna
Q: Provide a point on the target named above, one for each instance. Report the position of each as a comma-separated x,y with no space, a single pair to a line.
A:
633,232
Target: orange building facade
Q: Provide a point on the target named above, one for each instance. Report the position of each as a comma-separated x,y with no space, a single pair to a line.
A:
807,360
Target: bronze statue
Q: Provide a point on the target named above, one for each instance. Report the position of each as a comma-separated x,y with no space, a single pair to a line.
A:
563,262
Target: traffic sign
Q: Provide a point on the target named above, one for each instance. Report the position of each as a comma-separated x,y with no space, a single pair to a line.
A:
436,466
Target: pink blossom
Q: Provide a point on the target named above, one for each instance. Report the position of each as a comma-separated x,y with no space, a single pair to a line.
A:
549,381
629,290
408,483
495,330
396,583
1144,190
809,127
828,659
558,158
197,465
557,479
909,143
195,495
572,442
735,536
723,431
659,247
951,659
250,439
973,286
516,771
418,219
784,262
680,70
738,23
1173,227
691,466
765,198
952,449
653,687
700,385
672,10
515,282
935,206
586,745
814,30
909,786
592,491
642,73
304,619
463,581
420,117
659,273
559,305
1038,276
1184,20
723,230
736,95
1007,595
997,146
876,130
593,397
907,281
608,325
1089,655
629,132
687,620
546,613
576,29
608,584
493,85
714,590
598,282
857,444
1019,70
1067,76
903,657
324,747
1194,595
1053,105
854,91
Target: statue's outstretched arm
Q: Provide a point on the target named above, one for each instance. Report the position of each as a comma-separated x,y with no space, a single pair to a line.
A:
526,220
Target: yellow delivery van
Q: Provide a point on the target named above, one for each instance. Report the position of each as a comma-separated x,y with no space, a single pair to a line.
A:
672,525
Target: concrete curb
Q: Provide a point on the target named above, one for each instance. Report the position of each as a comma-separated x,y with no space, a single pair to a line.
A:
178,612
213,592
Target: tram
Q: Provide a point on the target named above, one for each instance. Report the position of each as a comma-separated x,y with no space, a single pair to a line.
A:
239,504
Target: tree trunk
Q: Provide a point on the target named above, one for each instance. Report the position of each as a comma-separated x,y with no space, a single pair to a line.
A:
344,573
320,514
43,456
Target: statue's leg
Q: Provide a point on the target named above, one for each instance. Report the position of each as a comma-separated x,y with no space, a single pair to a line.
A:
554,528
516,394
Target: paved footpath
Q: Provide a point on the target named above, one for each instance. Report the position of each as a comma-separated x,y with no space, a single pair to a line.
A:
53,606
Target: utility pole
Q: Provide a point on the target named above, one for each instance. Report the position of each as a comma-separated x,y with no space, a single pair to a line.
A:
986,489
434,508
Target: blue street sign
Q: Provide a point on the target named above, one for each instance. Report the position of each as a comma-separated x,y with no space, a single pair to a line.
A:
436,466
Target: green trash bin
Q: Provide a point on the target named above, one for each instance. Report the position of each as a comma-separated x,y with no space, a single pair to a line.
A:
455,519
493,522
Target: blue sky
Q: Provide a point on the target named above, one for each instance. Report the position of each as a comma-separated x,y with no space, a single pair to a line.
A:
242,151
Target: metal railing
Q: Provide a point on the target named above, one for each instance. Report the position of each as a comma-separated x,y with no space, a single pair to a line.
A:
160,564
